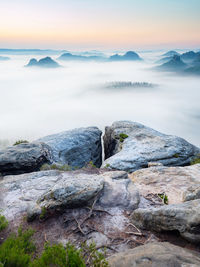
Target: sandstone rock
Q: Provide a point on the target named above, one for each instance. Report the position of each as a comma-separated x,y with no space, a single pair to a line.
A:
178,183
119,192
184,218
155,255
72,190
26,157
130,146
33,193
76,147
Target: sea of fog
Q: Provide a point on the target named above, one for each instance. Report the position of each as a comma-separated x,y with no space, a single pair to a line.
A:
35,102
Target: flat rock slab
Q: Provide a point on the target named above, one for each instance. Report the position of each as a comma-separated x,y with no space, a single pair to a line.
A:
155,255
56,191
178,183
144,145
184,218
77,147
27,157
48,189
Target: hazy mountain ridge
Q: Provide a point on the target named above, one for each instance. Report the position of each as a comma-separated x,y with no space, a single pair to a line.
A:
69,56
171,53
188,62
46,62
130,55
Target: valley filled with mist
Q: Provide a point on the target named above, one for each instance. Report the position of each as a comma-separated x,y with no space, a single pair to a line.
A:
36,102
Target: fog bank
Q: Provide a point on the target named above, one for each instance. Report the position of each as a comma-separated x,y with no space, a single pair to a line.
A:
36,102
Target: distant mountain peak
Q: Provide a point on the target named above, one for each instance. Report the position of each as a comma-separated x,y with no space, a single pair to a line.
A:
171,53
46,62
175,64
130,55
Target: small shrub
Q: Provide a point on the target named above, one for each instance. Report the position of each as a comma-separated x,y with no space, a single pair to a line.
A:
91,164
195,161
57,255
164,197
47,167
20,142
43,213
74,256
107,165
3,223
122,137
177,155
16,250
94,257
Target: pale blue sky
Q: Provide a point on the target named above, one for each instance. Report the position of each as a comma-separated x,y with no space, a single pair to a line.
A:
100,24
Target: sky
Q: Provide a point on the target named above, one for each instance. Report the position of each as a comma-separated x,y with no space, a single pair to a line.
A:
100,24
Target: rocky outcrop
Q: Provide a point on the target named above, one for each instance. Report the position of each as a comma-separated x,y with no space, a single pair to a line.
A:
27,157
184,218
130,146
76,147
71,190
155,254
178,183
55,191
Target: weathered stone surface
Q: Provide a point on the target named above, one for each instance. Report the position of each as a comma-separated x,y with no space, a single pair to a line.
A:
51,191
178,183
144,145
27,157
48,189
119,192
76,147
155,255
184,218
72,191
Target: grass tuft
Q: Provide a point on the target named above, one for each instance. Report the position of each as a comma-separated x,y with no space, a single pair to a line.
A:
122,137
18,142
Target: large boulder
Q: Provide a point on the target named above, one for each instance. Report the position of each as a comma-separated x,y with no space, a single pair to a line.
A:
76,147
129,146
184,218
155,255
71,190
178,183
49,189
56,191
26,157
